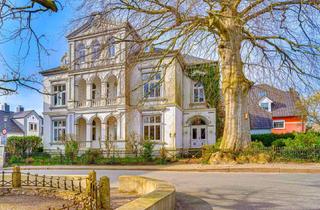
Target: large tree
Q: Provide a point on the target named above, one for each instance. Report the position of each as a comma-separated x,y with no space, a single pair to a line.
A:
16,18
252,39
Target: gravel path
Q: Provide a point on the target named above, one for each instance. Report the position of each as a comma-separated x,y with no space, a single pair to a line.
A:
25,202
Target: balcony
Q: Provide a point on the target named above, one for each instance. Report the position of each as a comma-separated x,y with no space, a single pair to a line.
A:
95,64
99,102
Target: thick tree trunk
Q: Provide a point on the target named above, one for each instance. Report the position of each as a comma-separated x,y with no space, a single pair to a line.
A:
235,87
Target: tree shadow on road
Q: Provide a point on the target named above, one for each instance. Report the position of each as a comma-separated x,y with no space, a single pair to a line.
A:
189,202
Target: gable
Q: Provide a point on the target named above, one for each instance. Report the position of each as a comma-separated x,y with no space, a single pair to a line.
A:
265,100
95,25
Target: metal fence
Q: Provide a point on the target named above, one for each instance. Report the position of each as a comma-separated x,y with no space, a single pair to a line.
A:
52,182
311,153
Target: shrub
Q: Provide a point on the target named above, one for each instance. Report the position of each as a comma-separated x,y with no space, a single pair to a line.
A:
268,138
92,156
71,150
15,160
163,155
279,142
303,141
29,160
23,145
147,150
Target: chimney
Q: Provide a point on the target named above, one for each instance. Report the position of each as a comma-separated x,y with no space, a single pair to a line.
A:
20,108
5,107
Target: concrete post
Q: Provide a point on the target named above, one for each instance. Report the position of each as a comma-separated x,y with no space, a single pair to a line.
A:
2,155
16,177
91,184
104,193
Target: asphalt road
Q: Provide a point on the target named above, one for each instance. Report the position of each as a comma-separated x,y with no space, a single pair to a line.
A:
231,190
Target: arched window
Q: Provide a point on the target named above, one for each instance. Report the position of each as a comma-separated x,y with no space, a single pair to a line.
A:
81,53
96,50
198,93
111,48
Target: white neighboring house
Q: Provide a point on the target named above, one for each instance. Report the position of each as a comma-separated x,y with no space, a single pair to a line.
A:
20,123
96,96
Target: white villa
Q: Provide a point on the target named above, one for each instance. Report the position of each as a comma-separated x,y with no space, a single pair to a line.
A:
100,93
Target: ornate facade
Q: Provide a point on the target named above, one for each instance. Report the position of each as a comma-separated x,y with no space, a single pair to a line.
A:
99,94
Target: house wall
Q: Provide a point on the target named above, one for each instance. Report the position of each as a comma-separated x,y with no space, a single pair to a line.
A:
33,118
171,105
292,124
260,131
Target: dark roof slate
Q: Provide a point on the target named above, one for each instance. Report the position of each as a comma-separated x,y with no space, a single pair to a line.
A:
11,126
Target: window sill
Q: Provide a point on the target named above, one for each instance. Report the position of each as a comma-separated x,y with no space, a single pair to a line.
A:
58,107
155,99
56,143
198,104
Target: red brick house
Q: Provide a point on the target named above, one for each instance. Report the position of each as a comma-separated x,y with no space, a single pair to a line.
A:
272,110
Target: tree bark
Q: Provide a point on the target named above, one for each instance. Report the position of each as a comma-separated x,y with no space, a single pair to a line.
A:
235,88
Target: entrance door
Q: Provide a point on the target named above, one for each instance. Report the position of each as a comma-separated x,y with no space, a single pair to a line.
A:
198,136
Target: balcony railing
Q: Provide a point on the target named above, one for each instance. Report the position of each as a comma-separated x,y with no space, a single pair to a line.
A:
95,63
82,103
99,102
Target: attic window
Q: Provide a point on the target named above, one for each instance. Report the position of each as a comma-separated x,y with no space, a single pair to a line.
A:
265,106
262,93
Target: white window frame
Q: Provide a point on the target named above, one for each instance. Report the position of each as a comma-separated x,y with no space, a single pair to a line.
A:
152,125
59,128
268,101
268,104
277,121
198,89
153,79
58,95
34,127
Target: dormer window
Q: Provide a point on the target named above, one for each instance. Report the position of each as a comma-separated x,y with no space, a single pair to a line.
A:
262,93
96,50
81,53
265,104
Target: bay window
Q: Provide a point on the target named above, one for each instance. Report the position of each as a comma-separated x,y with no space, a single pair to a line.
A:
152,127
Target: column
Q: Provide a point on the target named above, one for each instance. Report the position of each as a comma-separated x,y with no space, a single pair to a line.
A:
103,92
89,94
103,135
88,135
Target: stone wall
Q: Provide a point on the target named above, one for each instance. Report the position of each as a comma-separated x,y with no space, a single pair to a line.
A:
155,194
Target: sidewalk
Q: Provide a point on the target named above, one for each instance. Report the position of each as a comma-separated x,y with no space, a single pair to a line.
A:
257,168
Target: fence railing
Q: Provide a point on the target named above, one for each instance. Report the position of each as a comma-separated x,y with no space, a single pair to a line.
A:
88,186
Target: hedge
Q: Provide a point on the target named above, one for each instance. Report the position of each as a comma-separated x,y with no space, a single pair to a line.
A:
21,146
268,138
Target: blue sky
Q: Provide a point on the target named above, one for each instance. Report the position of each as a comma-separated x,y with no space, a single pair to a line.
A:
54,26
